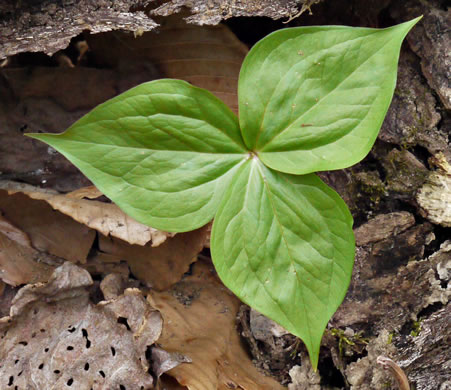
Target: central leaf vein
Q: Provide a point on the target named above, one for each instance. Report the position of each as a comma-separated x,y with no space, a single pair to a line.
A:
300,118
283,78
282,233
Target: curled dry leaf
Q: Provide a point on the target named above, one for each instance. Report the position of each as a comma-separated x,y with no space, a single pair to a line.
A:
113,285
395,370
13,233
199,322
55,338
48,231
158,267
164,361
106,218
19,262
90,192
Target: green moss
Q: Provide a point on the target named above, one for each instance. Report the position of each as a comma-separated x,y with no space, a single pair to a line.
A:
371,184
416,328
344,341
296,346
390,338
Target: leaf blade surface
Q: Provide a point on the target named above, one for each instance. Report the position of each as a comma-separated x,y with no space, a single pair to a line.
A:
163,152
314,98
284,245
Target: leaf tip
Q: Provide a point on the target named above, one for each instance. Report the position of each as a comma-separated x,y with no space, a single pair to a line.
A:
39,136
48,138
410,23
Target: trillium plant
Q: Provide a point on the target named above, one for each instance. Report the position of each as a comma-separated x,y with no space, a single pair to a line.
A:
174,157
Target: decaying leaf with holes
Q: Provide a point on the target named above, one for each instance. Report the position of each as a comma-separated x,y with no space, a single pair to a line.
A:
55,338
199,322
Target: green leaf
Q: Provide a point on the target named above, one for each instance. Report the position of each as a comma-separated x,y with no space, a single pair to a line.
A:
284,245
314,98
164,152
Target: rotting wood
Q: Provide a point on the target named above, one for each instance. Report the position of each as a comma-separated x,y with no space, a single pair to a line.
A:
49,26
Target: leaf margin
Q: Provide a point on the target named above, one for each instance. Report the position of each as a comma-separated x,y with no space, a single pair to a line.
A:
219,234
281,160
187,223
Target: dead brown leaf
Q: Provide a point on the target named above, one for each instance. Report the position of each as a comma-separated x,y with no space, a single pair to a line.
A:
207,56
113,285
169,383
103,264
90,192
13,233
48,231
106,218
159,267
136,315
55,338
199,322
6,298
164,361
20,263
